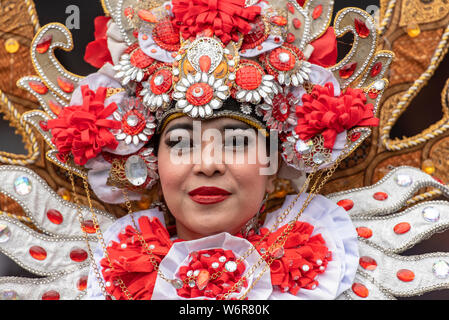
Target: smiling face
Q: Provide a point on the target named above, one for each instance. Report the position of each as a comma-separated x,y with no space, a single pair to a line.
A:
211,177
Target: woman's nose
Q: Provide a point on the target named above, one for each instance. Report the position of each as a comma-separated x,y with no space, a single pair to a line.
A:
210,160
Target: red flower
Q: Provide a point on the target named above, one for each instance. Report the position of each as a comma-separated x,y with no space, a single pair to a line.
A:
303,257
97,52
225,18
323,113
84,130
131,263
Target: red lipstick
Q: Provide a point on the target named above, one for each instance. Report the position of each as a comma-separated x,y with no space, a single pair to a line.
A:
209,195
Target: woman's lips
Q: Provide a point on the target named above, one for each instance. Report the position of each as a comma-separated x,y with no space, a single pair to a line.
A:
209,195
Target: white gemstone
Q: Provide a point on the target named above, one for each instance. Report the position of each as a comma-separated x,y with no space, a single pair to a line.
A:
177,284
132,120
379,85
303,147
403,180
22,185
231,266
319,158
305,268
319,262
189,273
136,170
198,92
192,283
284,57
196,273
158,80
123,246
431,214
215,265
5,233
222,259
441,269
152,246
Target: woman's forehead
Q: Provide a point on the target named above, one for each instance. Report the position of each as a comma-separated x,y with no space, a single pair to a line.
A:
221,124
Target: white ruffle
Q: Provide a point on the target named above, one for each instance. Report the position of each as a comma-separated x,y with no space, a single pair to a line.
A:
179,254
328,219
336,227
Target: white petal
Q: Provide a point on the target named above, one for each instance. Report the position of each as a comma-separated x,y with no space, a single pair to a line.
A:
159,101
218,83
256,97
124,62
190,79
117,67
181,88
211,80
197,77
262,93
143,137
231,76
120,136
126,80
204,77
221,95
188,108
194,112
182,104
179,95
201,112
185,82
119,74
134,75
288,80
117,116
215,104
175,71
241,94
125,57
136,140
300,79
281,78
223,88
130,72
304,75
268,77
268,100
249,96
295,81
267,89
208,110
166,98
128,139
140,75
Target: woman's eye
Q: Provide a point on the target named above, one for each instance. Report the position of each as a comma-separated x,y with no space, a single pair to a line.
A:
180,144
236,142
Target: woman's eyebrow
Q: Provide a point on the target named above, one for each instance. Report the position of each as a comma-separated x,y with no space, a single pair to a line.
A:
242,126
186,126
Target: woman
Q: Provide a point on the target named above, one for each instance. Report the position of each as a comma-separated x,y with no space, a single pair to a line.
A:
215,101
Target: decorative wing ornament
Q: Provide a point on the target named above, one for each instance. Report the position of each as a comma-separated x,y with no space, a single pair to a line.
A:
386,230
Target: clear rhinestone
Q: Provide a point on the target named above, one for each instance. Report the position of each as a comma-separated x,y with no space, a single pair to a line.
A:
192,283
441,269
222,259
215,265
379,85
9,295
123,246
189,273
403,180
303,147
231,266
305,268
22,185
136,170
431,214
5,233
319,158
132,120
278,253
177,284
196,273
284,57
152,246
159,80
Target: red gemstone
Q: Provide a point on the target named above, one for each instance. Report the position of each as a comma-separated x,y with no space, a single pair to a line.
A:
82,283
51,295
44,44
38,253
361,28
43,125
402,228
317,12
88,227
346,204
405,275
364,232
368,263
348,70
290,8
297,23
380,196
54,216
360,290
290,37
66,85
279,20
355,136
55,107
78,255
373,94
129,12
377,68
38,87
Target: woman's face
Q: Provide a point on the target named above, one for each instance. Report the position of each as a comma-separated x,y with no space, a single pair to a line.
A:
211,174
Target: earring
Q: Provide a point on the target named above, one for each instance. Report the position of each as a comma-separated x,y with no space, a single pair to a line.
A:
253,224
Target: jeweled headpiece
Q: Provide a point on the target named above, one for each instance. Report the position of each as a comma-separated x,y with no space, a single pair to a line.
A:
271,64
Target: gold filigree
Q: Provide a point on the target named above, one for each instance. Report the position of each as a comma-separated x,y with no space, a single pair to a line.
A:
416,11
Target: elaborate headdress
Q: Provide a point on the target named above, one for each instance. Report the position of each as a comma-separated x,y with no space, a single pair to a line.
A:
270,64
